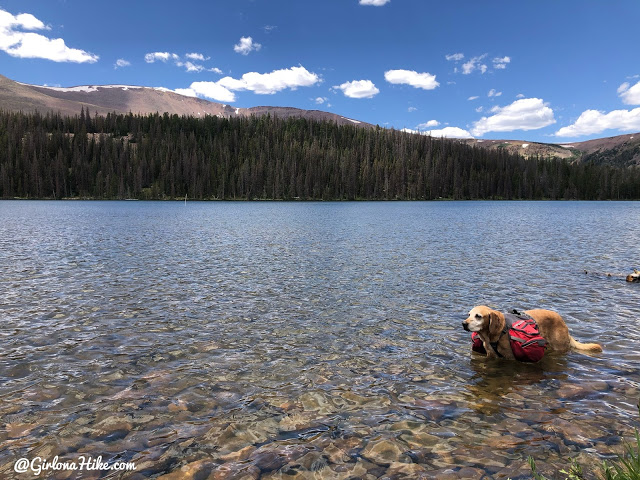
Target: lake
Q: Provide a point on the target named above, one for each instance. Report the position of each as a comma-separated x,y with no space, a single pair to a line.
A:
311,340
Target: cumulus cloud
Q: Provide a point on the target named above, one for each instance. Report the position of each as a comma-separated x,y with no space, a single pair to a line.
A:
321,100
426,81
500,63
160,57
196,56
375,3
191,67
358,89
18,43
188,92
630,95
456,57
593,121
493,93
479,63
246,45
260,83
475,63
177,60
211,90
430,123
475,97
269,83
523,114
121,63
446,132
411,109
449,132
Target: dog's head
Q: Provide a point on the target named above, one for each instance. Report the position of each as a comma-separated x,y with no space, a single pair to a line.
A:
482,319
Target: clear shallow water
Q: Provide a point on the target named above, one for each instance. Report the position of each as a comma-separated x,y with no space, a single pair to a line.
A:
311,340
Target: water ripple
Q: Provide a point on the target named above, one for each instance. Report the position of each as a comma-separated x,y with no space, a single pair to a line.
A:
265,338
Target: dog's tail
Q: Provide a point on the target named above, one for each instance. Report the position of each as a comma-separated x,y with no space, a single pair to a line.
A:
585,347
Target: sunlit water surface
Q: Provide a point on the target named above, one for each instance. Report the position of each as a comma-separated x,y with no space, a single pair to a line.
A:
311,340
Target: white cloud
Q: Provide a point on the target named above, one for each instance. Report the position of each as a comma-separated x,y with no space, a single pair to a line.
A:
121,63
450,132
186,91
321,100
520,95
196,56
21,44
246,46
194,67
261,83
446,132
269,28
358,89
493,93
187,65
375,3
28,22
426,81
430,123
161,57
456,57
473,64
630,95
523,114
501,63
411,109
475,97
210,90
593,121
268,83
479,109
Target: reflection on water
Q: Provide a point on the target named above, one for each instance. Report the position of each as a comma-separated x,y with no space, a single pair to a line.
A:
310,340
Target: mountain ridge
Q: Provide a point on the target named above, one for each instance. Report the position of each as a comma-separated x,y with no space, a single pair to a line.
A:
620,150
103,99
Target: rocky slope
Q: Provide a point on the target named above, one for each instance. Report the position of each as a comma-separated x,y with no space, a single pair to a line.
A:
103,99
621,150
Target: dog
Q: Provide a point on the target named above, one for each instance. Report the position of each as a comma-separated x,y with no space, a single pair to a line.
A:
490,325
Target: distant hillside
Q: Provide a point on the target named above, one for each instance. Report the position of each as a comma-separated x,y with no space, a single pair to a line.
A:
620,151
105,99
161,157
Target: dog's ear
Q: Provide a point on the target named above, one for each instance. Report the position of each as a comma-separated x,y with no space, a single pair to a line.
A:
495,324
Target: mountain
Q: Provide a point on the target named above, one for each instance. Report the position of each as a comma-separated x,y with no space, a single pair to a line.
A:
103,99
620,151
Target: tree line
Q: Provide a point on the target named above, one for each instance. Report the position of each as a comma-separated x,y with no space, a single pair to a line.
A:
167,156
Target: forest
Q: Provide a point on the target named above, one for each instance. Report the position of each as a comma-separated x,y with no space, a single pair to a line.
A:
266,158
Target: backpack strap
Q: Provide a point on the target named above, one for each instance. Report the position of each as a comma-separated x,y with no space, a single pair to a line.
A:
494,345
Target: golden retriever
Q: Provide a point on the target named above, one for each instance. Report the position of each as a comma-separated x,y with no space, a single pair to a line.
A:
490,324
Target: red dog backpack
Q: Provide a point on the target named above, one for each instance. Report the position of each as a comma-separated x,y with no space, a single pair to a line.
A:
526,342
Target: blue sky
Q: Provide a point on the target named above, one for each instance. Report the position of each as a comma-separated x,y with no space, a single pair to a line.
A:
553,71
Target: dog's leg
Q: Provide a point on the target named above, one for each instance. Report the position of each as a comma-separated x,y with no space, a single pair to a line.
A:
491,353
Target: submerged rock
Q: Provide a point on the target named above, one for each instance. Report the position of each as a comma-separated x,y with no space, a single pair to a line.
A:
239,455
194,470
385,452
116,426
235,471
